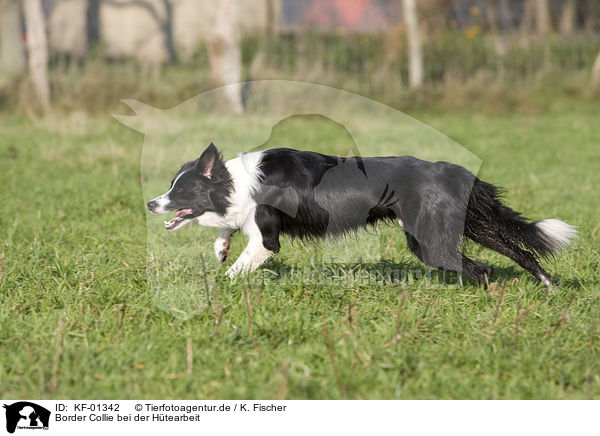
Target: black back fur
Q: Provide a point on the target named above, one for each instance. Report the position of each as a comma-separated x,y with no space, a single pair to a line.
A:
436,202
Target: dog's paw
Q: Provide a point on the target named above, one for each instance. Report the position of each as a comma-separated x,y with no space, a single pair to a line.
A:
223,255
237,269
231,272
548,281
222,250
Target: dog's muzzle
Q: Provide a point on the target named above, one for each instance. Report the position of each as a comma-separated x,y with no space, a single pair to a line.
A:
152,206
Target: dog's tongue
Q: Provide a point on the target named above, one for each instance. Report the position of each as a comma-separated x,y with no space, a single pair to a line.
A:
179,216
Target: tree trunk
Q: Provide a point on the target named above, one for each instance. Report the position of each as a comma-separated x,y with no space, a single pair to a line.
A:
492,19
536,12
415,51
542,17
270,18
166,26
596,71
506,17
491,16
37,48
590,16
92,23
224,52
12,55
567,19
527,17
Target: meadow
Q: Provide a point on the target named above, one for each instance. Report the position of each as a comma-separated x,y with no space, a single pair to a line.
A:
79,317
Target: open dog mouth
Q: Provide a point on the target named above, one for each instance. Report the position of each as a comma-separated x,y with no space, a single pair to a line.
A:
181,216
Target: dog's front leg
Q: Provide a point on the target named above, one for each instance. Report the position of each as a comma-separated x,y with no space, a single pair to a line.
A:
253,256
222,246
262,228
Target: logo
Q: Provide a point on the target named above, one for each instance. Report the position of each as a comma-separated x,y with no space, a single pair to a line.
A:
26,415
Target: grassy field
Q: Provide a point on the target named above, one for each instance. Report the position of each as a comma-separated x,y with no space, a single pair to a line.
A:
78,318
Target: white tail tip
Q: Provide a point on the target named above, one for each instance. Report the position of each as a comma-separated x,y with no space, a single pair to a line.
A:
558,232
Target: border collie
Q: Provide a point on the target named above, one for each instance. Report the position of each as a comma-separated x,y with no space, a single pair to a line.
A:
308,195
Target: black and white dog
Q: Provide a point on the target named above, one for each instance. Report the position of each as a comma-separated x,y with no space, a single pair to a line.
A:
306,195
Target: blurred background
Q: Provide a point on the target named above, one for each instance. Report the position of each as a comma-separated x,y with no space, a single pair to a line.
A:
494,54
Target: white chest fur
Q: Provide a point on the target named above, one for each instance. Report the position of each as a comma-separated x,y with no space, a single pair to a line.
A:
245,176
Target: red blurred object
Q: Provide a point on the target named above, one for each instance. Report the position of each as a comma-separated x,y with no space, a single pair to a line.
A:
357,15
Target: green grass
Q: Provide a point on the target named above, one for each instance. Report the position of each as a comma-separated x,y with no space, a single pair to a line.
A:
78,318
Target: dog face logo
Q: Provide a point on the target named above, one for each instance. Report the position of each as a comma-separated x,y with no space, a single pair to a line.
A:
26,415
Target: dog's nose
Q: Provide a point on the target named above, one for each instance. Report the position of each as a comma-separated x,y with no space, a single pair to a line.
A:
151,205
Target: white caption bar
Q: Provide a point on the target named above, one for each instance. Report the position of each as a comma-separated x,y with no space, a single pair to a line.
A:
248,417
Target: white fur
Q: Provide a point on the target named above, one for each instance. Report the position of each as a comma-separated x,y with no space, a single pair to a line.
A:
222,244
246,178
245,175
558,232
545,280
255,254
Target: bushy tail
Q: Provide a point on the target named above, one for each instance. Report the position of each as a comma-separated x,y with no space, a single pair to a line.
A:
556,234
487,214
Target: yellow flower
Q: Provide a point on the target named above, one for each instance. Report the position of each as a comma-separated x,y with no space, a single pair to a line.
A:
472,32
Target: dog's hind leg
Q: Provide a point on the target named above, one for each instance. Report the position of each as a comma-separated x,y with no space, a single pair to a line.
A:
414,246
524,258
494,225
476,271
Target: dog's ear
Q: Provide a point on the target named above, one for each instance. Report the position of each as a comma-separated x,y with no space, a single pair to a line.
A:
206,162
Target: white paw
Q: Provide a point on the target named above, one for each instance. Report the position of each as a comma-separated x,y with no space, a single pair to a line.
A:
232,272
238,268
222,250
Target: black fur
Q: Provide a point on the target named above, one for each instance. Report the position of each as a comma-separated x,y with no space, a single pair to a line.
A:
437,202
203,185
496,226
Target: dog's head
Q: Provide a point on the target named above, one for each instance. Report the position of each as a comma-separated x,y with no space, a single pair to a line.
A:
200,186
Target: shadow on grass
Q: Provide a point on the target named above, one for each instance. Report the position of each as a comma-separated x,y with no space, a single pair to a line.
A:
409,272
384,271
507,275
